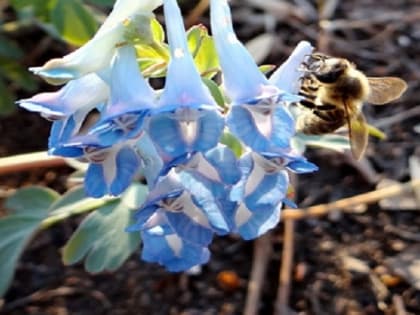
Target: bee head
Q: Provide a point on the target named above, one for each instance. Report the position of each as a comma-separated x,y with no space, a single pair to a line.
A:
329,70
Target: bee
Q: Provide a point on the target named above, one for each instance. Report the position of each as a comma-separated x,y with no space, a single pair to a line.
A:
334,91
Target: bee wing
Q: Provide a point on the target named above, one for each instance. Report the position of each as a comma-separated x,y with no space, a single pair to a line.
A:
385,89
358,134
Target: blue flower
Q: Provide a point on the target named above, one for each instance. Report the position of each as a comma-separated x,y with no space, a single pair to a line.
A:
175,229
258,116
262,190
131,99
187,118
209,178
259,195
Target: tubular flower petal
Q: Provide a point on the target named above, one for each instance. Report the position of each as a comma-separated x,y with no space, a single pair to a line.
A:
131,99
183,86
258,116
85,92
287,76
187,118
242,79
97,53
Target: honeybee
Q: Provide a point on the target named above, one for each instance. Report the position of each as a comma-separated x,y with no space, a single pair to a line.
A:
334,92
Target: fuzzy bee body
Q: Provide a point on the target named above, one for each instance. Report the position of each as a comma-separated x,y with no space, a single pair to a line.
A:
334,92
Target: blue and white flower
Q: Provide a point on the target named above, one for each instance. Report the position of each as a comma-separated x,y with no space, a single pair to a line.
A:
258,116
187,118
131,99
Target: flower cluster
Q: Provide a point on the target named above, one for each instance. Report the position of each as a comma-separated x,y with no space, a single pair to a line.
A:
198,188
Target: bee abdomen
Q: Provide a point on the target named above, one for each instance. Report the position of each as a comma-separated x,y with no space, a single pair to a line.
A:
311,124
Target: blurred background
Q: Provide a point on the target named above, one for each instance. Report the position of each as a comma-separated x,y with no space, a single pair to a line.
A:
364,262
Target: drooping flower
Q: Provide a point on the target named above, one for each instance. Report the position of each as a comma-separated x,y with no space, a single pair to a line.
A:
262,191
187,118
97,53
131,99
258,116
175,229
80,94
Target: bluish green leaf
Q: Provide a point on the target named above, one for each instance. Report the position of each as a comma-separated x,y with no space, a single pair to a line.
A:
73,21
135,195
102,240
73,202
31,199
29,207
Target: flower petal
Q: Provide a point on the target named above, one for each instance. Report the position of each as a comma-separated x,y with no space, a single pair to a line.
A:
183,86
287,76
241,77
86,92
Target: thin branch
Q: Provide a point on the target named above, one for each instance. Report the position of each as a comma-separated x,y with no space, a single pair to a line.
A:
349,204
197,12
29,161
262,253
283,293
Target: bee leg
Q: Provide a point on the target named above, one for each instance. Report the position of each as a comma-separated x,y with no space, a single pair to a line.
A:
325,107
307,104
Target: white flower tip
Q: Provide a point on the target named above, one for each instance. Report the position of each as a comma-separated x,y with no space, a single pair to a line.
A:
55,72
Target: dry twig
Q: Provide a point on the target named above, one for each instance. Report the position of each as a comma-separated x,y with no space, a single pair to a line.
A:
349,204
197,12
262,253
29,161
283,292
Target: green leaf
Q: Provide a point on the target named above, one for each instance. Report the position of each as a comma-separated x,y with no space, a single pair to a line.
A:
73,21
7,105
9,49
17,74
30,207
202,48
102,3
157,31
101,239
229,140
153,59
28,9
215,92
266,68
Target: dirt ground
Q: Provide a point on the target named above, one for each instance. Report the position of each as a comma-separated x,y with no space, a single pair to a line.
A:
342,262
